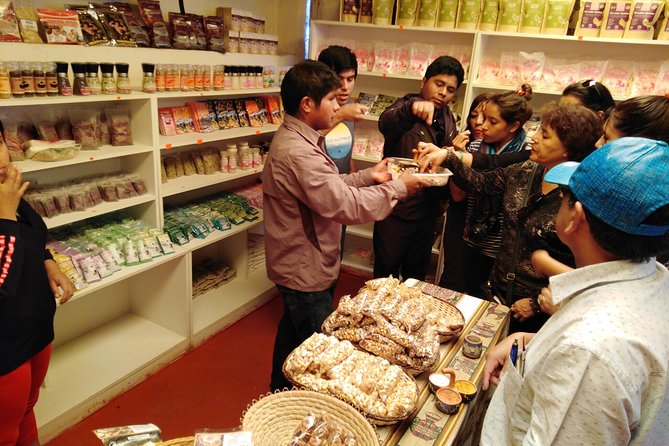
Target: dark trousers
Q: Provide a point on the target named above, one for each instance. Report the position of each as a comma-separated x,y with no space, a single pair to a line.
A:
477,270
403,247
303,315
453,276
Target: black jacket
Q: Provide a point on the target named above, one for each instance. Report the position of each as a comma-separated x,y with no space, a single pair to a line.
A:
27,304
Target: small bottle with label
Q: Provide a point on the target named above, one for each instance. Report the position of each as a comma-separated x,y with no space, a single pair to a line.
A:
122,80
232,158
51,79
39,78
108,84
197,77
244,152
160,77
28,81
80,86
259,80
218,77
206,77
234,80
148,81
183,77
225,161
15,79
5,87
92,78
227,77
64,86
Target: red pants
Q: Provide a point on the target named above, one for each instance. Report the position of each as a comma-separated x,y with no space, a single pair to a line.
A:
19,390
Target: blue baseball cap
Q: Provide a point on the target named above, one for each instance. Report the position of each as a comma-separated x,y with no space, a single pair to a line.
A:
622,183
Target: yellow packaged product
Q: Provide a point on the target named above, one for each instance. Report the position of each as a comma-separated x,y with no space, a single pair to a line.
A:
469,14
489,15
590,19
509,15
616,16
556,19
643,16
448,10
532,16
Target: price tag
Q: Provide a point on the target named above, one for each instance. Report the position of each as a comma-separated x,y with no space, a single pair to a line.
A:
199,141
118,98
257,132
401,26
91,158
168,146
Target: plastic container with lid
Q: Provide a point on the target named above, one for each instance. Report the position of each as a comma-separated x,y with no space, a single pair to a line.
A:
197,77
232,158
206,77
15,79
160,77
218,77
244,154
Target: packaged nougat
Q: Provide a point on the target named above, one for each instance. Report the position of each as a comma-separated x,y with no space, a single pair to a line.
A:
469,14
590,19
616,16
489,15
406,12
382,12
509,15
448,10
532,16
556,20
427,13
643,16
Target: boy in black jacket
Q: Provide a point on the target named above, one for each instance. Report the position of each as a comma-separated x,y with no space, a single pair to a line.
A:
403,241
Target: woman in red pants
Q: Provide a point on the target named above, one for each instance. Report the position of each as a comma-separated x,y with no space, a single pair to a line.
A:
29,283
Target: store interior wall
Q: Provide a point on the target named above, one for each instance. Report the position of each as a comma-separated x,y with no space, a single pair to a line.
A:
285,18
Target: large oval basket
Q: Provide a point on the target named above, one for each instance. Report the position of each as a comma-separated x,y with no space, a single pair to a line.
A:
274,418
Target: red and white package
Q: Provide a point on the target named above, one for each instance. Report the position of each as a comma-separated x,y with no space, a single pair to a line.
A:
419,59
83,128
489,70
662,86
548,81
617,77
592,69
118,119
153,18
565,74
384,54
400,63
363,52
166,121
509,68
644,78
9,27
531,67
61,26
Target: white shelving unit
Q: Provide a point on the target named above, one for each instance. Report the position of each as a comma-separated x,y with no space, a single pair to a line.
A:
115,332
483,44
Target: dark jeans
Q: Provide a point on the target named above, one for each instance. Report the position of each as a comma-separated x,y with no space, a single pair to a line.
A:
477,270
303,315
403,247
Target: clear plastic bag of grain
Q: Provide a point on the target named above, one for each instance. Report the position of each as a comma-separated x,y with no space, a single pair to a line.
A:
320,430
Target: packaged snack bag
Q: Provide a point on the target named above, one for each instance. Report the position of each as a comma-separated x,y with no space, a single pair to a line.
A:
363,51
382,12
557,16
591,17
616,16
61,26
548,76
643,16
365,11
419,59
565,74
183,120
664,28
153,18
509,15
531,67
662,86
115,25
28,20
448,10
469,14
203,120
406,12
532,16
383,56
427,13
135,24
91,28
592,69
349,11
617,77
9,27
400,63
489,70
215,29
489,15
509,68
644,78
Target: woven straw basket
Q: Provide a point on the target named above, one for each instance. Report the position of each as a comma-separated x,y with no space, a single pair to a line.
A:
274,418
449,311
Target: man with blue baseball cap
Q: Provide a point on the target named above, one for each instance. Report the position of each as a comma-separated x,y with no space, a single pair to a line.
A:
596,373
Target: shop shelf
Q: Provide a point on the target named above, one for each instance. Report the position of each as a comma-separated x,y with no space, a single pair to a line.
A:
217,93
192,182
191,139
101,209
217,235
